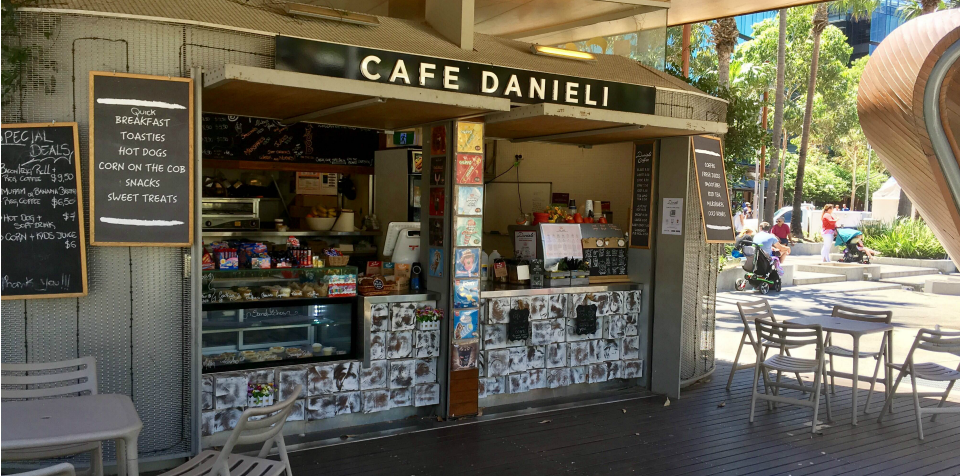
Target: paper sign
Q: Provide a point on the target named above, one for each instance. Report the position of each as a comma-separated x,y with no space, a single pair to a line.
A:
468,231
469,137
466,323
438,170
436,201
672,216
469,200
467,263
525,244
500,269
435,267
469,168
466,293
561,241
438,140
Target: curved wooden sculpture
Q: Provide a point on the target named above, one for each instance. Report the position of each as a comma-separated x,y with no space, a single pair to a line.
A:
909,106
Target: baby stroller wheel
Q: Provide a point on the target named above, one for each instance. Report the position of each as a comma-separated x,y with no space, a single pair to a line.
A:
741,284
764,288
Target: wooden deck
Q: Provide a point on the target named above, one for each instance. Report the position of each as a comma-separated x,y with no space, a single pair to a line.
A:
694,435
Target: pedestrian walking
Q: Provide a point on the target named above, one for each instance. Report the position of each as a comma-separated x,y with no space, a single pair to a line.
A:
829,232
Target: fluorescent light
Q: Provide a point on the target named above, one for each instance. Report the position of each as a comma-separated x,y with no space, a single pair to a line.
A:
313,11
561,53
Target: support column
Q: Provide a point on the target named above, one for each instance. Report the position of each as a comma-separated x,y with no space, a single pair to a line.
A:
453,19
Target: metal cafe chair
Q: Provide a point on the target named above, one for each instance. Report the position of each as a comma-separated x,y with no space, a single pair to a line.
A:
62,469
791,335
932,341
52,379
748,312
855,314
249,430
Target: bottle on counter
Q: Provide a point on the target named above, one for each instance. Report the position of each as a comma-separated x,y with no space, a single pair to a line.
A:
484,266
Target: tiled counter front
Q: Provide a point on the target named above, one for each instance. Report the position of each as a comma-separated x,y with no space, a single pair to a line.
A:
555,356
402,373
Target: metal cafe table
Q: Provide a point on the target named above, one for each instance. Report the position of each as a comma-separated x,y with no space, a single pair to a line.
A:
855,329
67,421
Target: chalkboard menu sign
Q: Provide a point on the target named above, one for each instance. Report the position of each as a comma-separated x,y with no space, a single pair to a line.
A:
606,261
712,185
586,320
642,206
141,160
518,327
267,140
43,243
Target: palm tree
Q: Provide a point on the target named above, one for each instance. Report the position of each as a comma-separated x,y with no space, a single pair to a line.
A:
771,191
820,23
914,8
725,35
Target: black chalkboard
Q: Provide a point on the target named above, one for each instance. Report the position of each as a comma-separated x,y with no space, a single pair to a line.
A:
586,320
518,327
712,186
141,160
267,140
606,261
642,206
43,243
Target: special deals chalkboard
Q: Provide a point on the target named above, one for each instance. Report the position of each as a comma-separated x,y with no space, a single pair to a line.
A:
42,207
141,160
642,203
712,185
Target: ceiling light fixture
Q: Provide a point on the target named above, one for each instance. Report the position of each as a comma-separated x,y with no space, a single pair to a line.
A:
313,11
561,53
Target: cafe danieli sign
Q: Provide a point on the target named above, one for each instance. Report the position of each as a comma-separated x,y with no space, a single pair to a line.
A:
518,85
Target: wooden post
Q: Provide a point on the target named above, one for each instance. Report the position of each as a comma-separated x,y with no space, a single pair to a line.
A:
685,51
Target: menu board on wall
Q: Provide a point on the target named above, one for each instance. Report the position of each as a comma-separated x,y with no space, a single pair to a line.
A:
712,185
606,261
43,236
267,140
642,203
141,160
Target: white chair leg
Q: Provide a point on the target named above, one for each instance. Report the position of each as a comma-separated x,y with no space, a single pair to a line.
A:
873,383
736,360
753,394
768,385
816,398
121,458
827,395
916,405
96,461
282,451
943,400
889,401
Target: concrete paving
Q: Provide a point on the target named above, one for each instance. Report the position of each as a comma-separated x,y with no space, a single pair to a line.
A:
891,271
809,277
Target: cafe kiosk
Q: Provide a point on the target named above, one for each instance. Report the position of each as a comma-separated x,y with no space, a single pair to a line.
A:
625,128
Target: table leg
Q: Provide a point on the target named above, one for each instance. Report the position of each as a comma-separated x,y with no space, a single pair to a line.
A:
132,459
856,361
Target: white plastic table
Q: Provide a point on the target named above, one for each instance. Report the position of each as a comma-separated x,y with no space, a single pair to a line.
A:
855,329
63,421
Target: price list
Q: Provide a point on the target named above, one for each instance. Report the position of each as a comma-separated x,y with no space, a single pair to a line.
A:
712,185
640,219
42,228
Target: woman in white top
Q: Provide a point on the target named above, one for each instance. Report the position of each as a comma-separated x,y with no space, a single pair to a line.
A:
738,220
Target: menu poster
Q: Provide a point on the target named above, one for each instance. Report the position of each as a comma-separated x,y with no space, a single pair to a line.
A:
435,268
469,137
466,263
141,160
465,322
435,233
560,241
438,170
469,200
468,231
469,168
464,355
438,140
466,293
525,245
43,239
642,206
436,201
712,185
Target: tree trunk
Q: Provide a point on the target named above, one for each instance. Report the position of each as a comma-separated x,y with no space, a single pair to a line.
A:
929,6
819,24
853,188
725,36
777,118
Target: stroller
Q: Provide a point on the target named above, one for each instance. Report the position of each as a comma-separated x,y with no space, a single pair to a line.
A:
761,273
848,239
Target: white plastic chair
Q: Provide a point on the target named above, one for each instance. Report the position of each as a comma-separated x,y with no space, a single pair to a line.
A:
932,341
791,335
833,351
748,312
62,469
266,430
46,380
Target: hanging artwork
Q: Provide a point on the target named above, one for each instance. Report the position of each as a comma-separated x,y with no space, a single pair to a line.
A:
469,137
438,140
469,200
437,196
467,261
466,323
466,293
469,169
435,268
468,231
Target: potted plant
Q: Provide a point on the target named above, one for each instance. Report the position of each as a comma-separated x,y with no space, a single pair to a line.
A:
558,276
428,318
260,394
579,272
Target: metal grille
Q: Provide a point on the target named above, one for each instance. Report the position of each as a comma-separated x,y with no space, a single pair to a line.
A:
700,263
684,105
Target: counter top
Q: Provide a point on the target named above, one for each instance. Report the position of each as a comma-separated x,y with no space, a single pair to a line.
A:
389,298
489,289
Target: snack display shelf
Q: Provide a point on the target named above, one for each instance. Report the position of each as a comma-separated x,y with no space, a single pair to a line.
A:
254,234
283,273
314,301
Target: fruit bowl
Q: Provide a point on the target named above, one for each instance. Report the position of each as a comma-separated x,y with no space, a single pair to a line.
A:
320,224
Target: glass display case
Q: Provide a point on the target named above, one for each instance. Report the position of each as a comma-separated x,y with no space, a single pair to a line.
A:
271,317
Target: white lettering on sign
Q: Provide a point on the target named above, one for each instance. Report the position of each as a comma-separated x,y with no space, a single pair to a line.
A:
450,77
400,72
365,68
492,86
586,98
556,89
605,90
513,86
537,89
425,73
572,92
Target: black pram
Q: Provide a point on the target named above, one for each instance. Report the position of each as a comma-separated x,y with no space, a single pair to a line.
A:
761,273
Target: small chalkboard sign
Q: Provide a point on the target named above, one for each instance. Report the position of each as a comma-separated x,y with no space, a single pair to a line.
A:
44,255
586,320
712,186
518,327
641,221
141,160
606,262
